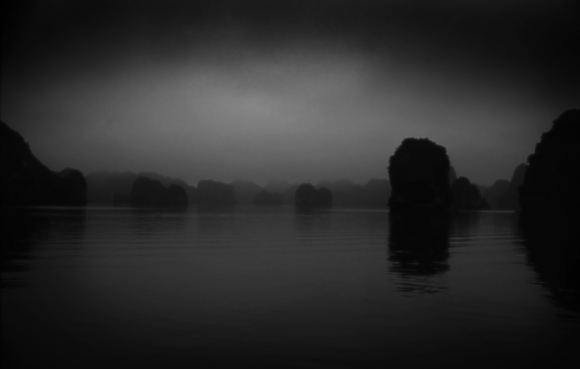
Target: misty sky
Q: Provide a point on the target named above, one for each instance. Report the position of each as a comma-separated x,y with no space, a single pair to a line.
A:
296,90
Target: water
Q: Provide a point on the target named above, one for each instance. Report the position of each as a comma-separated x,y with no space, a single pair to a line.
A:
275,287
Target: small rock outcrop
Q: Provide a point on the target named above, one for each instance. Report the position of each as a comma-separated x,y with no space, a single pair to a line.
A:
552,179
419,176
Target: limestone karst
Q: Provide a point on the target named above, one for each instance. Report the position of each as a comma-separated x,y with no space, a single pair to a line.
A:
27,181
551,181
419,176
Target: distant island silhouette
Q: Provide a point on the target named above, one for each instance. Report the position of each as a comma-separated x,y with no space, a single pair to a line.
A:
115,187
150,192
420,177
510,198
268,198
492,194
211,192
308,196
466,195
107,188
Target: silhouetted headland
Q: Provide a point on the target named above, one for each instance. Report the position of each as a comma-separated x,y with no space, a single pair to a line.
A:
27,181
419,175
552,179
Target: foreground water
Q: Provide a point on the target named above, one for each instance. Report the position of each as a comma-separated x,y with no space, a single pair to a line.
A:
274,287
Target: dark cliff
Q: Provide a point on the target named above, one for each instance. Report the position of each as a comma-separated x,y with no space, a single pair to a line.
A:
27,181
551,181
419,176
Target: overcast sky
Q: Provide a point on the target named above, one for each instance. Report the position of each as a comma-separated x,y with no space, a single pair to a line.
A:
294,90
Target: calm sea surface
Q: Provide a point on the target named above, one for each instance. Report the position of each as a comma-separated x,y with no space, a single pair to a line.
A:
275,287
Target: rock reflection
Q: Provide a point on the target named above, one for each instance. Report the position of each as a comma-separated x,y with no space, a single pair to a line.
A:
464,223
551,246
308,219
22,229
419,251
